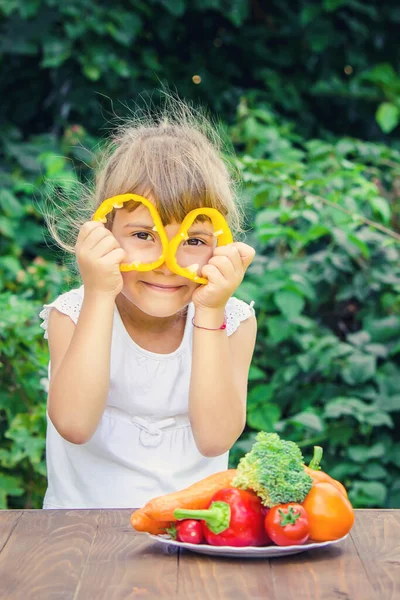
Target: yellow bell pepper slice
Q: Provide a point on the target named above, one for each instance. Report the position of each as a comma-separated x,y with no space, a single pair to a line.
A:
169,249
117,202
222,232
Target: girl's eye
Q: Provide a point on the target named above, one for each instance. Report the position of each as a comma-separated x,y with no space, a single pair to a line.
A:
142,235
195,242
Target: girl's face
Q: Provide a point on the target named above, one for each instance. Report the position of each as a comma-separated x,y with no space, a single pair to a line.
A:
160,293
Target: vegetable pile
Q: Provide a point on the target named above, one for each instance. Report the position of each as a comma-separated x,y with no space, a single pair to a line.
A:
271,498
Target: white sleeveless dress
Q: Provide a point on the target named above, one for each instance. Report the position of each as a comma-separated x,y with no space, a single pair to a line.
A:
143,446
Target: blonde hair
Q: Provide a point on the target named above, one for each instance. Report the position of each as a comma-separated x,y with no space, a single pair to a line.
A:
177,156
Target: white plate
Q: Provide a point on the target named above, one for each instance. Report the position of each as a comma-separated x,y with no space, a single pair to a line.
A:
245,552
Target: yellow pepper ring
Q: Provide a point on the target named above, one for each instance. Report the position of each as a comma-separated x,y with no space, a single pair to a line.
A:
169,249
117,202
223,234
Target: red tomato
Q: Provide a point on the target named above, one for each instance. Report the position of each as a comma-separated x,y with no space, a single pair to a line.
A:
190,531
287,524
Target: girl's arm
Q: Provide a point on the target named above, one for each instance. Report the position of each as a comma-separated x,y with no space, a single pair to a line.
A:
80,367
80,356
218,386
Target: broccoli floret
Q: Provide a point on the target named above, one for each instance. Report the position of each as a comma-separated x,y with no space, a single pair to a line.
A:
274,469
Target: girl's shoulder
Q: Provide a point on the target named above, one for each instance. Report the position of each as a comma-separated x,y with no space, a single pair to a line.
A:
68,303
237,311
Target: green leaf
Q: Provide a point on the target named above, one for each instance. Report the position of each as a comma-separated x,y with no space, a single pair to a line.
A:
390,403
266,233
290,303
374,470
92,72
382,207
11,265
303,286
360,338
308,13
56,51
358,409
362,454
289,373
273,281
306,362
264,417
175,7
248,291
7,227
387,116
10,204
379,419
9,486
367,493
359,368
255,373
237,12
332,5
259,394
378,350
344,469
267,216
279,329
383,330
349,242
360,244
309,420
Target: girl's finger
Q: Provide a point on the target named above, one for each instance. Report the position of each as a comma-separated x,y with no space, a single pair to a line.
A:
92,238
104,246
86,229
214,275
97,236
118,255
232,253
247,253
225,265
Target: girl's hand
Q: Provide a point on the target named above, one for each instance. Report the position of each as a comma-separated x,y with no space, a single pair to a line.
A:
225,272
99,256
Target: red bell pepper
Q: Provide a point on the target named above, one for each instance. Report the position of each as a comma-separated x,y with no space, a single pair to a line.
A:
234,518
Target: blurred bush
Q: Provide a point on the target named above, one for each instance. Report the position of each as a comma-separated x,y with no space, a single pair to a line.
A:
331,65
326,284
322,203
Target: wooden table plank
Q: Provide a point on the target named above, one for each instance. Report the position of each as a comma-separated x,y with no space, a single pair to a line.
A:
327,573
204,577
332,572
8,522
45,554
95,554
377,537
124,564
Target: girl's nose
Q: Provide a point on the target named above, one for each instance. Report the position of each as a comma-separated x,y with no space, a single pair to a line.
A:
163,269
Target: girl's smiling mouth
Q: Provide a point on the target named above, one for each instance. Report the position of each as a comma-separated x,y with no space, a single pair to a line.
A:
163,288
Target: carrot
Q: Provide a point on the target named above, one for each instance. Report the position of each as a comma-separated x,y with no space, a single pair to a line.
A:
196,496
141,522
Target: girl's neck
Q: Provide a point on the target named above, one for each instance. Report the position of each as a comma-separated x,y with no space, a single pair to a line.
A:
137,320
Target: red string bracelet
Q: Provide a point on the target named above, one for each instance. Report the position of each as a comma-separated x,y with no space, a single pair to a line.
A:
223,326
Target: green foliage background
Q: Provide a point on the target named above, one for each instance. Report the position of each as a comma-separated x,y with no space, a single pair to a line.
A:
310,94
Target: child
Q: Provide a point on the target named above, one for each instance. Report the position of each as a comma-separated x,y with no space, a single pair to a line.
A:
148,370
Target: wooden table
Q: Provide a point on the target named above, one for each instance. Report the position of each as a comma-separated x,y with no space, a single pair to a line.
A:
95,554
